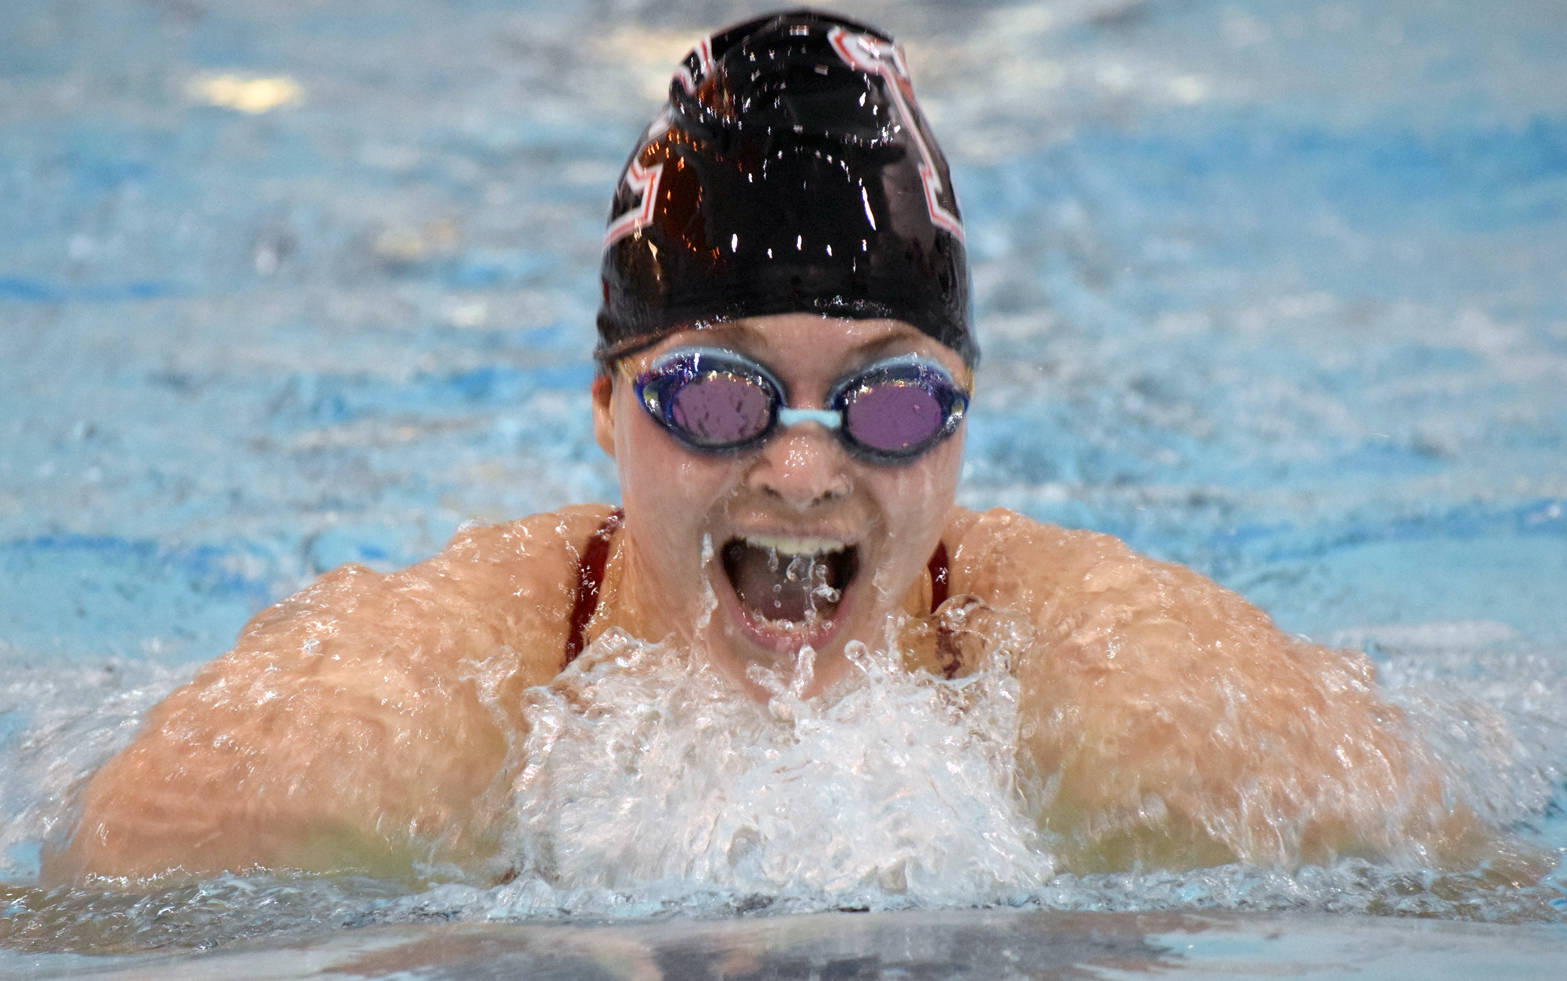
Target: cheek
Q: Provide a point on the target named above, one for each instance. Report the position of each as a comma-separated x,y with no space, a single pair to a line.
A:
926,490
917,501
668,491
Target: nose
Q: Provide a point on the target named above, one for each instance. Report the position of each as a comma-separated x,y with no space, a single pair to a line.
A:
802,466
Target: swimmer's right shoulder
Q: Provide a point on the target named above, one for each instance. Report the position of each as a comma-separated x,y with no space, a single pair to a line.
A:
548,534
519,576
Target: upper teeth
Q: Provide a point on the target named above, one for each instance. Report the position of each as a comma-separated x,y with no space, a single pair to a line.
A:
788,545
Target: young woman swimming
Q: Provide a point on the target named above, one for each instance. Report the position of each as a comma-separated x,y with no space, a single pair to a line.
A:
786,359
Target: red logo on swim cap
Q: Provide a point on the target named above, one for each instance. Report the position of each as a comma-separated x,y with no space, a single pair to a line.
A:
642,180
874,56
697,66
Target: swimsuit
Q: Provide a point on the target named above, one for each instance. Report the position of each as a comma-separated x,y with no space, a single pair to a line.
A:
590,578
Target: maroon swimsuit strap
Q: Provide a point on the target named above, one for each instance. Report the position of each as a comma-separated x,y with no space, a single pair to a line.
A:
595,554
590,576
940,576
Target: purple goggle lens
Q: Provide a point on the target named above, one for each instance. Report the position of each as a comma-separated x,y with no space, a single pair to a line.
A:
717,401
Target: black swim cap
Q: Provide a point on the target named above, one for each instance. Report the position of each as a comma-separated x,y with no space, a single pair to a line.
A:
791,171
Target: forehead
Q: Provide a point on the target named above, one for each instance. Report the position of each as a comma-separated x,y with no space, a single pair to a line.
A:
804,340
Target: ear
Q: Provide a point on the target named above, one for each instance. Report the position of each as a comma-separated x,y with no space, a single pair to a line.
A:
604,413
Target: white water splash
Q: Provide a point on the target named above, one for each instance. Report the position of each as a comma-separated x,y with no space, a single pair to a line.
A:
647,775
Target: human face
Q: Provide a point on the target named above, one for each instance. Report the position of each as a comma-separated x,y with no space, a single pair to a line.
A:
710,540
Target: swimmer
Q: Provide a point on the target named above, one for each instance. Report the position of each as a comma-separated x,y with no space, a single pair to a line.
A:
786,359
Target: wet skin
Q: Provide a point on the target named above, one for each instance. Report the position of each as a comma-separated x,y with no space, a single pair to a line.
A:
802,485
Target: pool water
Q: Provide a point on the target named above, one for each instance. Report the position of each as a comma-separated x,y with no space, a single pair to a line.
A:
1268,288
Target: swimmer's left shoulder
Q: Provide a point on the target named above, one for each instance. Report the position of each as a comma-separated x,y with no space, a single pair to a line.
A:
1005,536
966,527
1012,559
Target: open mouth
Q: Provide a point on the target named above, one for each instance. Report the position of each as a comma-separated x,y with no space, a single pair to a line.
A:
789,582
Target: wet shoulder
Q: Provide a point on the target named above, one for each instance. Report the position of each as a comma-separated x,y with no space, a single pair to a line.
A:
1175,724
539,552
1001,556
503,590
1079,583
521,575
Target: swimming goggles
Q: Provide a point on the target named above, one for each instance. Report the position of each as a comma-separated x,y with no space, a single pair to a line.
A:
717,401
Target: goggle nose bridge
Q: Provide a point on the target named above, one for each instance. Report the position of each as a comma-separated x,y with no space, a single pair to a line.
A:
829,418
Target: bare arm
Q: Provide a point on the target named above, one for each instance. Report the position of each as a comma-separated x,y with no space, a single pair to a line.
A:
363,723
1171,723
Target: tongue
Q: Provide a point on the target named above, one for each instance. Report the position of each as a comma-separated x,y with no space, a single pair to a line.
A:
781,587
